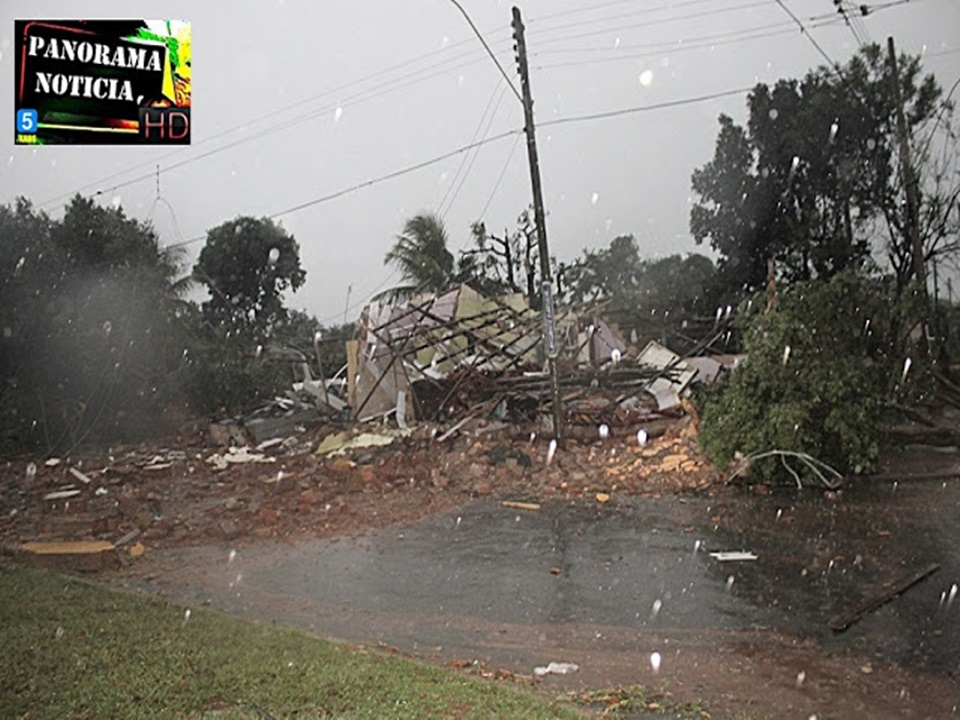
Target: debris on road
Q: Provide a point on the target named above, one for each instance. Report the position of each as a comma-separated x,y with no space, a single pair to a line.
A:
236,456
520,505
82,556
888,592
732,556
556,668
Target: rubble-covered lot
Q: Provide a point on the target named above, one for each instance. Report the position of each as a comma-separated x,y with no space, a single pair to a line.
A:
362,477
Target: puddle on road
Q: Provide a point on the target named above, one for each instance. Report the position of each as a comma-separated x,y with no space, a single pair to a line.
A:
643,567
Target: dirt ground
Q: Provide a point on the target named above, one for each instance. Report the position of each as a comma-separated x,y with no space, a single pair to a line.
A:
189,492
177,494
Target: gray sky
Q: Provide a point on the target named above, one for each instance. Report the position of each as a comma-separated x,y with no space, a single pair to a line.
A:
381,85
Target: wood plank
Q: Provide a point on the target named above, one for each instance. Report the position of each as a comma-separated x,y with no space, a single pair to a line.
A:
75,555
887,592
521,505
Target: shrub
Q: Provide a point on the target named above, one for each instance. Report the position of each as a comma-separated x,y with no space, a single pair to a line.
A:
820,365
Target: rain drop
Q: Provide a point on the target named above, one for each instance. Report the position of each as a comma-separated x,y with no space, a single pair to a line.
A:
59,633
655,661
779,513
906,368
337,114
773,114
801,676
615,356
594,198
604,431
952,596
641,437
786,354
274,256
697,545
258,352
871,144
833,130
730,582
551,450
232,556
646,78
186,616
657,604
107,327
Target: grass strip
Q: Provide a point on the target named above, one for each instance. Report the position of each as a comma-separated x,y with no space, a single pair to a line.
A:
75,650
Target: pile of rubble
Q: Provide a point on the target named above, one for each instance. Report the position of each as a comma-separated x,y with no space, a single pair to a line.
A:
449,402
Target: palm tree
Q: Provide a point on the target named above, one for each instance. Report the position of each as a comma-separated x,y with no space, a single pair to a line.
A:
421,256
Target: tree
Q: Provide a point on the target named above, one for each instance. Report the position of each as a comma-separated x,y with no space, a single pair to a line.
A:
421,255
89,314
815,170
247,264
499,265
652,297
819,370
612,273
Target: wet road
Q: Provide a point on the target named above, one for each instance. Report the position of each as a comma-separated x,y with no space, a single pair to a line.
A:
613,582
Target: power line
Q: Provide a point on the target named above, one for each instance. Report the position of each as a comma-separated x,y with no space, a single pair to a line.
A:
361,96
503,172
375,181
668,44
489,51
803,31
472,158
588,8
643,24
388,87
497,89
644,108
682,48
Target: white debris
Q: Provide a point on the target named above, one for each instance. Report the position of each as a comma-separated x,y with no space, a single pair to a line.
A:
237,455
61,495
556,668
733,555
80,476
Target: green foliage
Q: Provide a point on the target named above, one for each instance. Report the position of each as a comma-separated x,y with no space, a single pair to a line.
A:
811,175
421,255
655,297
88,312
819,368
225,373
247,264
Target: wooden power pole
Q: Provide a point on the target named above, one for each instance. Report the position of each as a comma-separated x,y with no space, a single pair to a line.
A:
909,178
546,278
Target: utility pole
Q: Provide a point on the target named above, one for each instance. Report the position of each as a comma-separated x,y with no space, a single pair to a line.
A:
913,204
909,179
546,279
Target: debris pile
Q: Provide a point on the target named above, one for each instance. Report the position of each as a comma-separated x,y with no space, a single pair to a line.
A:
450,402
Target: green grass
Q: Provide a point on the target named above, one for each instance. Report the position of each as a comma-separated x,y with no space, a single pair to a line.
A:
633,701
74,650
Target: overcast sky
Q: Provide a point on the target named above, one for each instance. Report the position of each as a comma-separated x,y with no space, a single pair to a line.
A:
297,100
